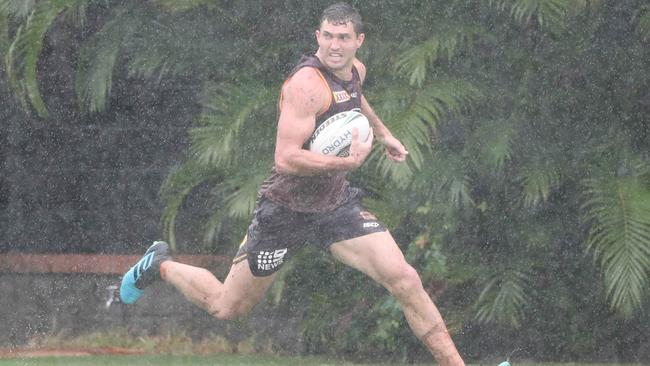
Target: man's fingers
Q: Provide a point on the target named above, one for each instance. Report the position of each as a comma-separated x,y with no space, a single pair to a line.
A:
397,153
355,133
371,136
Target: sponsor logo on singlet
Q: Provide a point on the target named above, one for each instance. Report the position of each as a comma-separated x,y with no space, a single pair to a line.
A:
341,96
269,260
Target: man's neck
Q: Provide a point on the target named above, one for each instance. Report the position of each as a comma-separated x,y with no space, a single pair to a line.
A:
344,73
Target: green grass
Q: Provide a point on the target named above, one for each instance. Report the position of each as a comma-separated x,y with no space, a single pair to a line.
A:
158,360
220,360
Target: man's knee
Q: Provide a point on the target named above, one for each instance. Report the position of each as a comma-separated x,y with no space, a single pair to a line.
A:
228,311
404,282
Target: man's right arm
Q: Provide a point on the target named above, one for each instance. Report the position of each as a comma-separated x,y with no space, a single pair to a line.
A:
304,96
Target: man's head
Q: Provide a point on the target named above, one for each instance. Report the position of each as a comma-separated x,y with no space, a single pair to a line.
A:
341,14
339,36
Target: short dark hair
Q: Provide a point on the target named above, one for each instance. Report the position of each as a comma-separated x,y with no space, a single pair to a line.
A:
342,13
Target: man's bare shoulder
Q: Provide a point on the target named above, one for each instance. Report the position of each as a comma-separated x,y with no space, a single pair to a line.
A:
306,88
306,76
361,68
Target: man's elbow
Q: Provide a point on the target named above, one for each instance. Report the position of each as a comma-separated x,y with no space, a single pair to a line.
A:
283,166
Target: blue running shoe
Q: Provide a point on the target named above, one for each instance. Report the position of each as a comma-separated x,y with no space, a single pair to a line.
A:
143,273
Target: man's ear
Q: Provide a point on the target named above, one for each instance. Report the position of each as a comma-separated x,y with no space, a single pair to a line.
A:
360,39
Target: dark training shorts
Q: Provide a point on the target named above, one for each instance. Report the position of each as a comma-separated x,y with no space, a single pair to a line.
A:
277,232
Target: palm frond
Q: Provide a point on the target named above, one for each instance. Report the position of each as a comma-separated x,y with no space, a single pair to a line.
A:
175,189
153,45
642,19
442,183
214,225
233,201
241,201
446,43
459,191
504,298
181,44
4,35
618,209
17,8
494,144
413,118
174,6
454,182
416,136
228,109
235,129
547,13
26,47
98,57
23,55
538,180
388,208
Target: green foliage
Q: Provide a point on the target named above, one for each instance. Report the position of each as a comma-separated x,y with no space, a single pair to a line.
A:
97,60
414,118
504,298
643,22
447,41
493,142
17,8
4,34
231,114
547,13
618,206
512,112
26,47
154,46
184,5
538,180
178,185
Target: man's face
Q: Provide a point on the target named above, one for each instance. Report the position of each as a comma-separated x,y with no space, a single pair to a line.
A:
338,44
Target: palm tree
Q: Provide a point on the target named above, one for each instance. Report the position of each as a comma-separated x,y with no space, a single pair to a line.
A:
515,147
524,120
232,132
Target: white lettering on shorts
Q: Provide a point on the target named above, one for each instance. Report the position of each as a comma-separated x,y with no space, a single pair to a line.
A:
270,260
370,224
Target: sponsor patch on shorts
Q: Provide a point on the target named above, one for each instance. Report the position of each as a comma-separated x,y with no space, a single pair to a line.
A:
267,261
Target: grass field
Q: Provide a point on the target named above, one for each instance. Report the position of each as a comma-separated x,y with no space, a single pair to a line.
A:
221,360
225,360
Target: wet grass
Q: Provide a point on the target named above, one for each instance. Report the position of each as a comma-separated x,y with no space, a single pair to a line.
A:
217,360
159,360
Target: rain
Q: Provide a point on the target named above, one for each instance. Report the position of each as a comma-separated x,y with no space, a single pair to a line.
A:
523,203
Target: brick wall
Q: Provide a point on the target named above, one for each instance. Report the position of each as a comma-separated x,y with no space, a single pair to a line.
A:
72,302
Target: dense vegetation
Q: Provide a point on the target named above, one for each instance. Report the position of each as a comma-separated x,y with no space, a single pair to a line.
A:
525,203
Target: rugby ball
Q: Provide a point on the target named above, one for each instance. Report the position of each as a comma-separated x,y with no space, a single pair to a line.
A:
334,136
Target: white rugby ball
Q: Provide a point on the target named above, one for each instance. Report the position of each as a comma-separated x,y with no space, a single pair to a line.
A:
334,136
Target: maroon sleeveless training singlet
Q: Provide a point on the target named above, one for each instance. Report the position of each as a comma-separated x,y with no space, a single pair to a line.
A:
324,192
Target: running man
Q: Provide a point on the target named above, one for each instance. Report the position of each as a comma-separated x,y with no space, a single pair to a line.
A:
308,199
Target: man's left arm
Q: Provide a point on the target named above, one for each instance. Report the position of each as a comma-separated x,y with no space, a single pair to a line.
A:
394,148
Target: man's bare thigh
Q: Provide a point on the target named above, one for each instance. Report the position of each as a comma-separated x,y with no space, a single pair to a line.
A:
375,254
241,288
